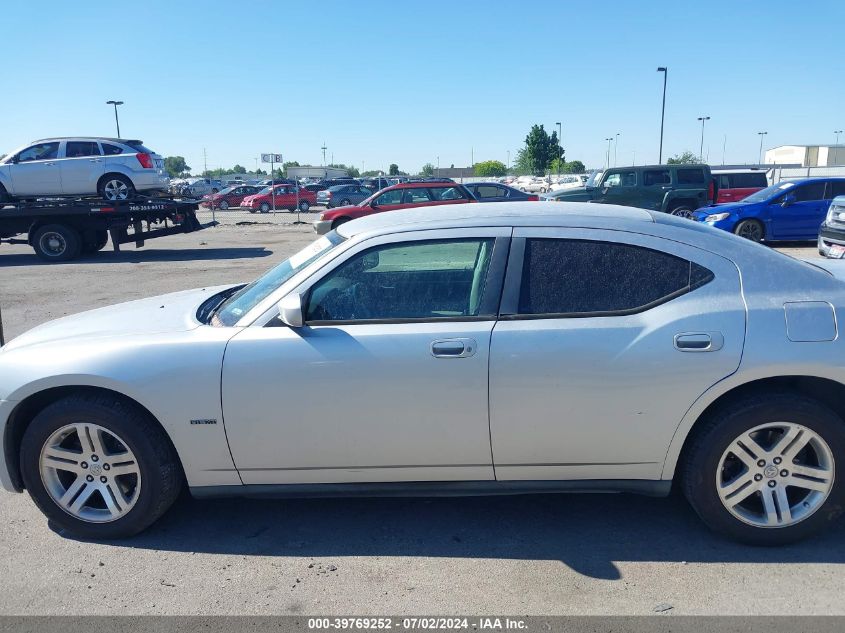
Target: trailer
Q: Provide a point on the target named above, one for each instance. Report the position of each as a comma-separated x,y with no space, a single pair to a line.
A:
62,229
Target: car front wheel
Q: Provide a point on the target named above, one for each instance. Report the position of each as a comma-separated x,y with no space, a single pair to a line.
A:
98,466
750,230
763,470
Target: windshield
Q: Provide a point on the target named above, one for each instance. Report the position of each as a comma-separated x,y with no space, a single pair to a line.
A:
768,192
231,310
594,179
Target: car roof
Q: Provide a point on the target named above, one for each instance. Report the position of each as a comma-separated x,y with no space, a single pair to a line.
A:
496,214
90,138
420,185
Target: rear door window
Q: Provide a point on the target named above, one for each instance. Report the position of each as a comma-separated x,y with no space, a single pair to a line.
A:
809,192
835,188
653,177
447,193
77,149
571,277
489,191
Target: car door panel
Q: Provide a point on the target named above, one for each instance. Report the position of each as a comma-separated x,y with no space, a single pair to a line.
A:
80,173
352,401
600,397
38,177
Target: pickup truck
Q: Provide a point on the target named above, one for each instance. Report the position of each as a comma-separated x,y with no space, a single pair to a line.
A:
675,189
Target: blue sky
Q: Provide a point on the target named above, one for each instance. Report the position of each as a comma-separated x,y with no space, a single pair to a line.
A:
385,82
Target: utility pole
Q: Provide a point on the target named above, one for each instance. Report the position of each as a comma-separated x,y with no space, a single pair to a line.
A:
508,165
324,153
701,148
609,139
438,166
724,144
205,161
837,132
559,147
665,71
760,159
116,121
615,148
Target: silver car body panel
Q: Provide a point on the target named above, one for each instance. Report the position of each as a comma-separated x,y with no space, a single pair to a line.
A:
368,403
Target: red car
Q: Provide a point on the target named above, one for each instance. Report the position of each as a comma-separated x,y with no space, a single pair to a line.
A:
401,196
229,197
736,184
285,196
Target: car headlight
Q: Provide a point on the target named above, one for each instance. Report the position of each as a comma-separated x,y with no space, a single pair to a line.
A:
835,214
716,217
322,217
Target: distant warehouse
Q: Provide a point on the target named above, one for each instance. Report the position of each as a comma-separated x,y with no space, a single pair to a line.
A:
806,155
308,171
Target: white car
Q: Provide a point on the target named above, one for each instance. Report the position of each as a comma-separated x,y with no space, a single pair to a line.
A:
112,168
568,181
532,184
448,350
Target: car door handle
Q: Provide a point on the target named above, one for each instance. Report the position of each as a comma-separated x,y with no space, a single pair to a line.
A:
50,164
94,160
453,348
699,341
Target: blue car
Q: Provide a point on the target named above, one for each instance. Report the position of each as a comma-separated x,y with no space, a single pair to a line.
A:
789,210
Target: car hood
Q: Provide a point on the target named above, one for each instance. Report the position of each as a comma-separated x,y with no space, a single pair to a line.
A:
727,207
174,312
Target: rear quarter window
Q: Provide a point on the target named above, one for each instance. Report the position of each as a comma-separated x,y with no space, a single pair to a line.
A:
691,176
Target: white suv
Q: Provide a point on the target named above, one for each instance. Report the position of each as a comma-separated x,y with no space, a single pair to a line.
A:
112,168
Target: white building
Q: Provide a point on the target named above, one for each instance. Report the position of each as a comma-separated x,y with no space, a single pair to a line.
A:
307,171
806,155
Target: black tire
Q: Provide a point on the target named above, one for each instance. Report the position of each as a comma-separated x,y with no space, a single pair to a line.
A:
4,195
702,457
93,241
304,206
57,243
345,202
110,183
682,211
161,474
222,205
340,221
265,207
750,230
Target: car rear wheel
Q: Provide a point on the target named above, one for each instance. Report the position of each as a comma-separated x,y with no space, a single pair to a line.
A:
223,205
750,230
4,195
93,241
762,471
345,202
98,466
116,187
57,243
265,207
304,206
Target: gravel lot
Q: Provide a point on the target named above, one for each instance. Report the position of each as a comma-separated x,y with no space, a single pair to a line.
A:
547,554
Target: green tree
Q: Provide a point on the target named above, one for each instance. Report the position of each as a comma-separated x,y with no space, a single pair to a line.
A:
260,172
427,170
490,168
576,167
393,170
687,158
238,169
539,151
371,172
175,166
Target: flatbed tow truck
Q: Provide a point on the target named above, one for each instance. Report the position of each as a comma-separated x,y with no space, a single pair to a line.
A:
61,229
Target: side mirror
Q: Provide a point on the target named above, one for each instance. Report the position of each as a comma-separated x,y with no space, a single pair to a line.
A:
788,199
374,204
291,310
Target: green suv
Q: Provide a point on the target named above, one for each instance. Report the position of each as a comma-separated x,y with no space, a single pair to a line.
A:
675,189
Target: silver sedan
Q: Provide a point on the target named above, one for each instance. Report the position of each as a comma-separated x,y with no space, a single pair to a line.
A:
493,349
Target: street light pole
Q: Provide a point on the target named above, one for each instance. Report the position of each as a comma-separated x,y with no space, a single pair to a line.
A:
701,149
616,148
116,121
324,153
438,167
665,71
508,166
760,159
559,147
607,160
837,132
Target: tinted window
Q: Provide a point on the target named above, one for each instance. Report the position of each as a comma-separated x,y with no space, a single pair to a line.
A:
394,196
447,193
420,280
138,147
584,277
692,176
415,196
489,191
747,181
836,188
656,177
75,149
111,150
808,192
41,151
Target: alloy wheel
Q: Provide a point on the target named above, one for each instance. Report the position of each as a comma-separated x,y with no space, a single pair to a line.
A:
90,472
775,475
116,190
750,231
